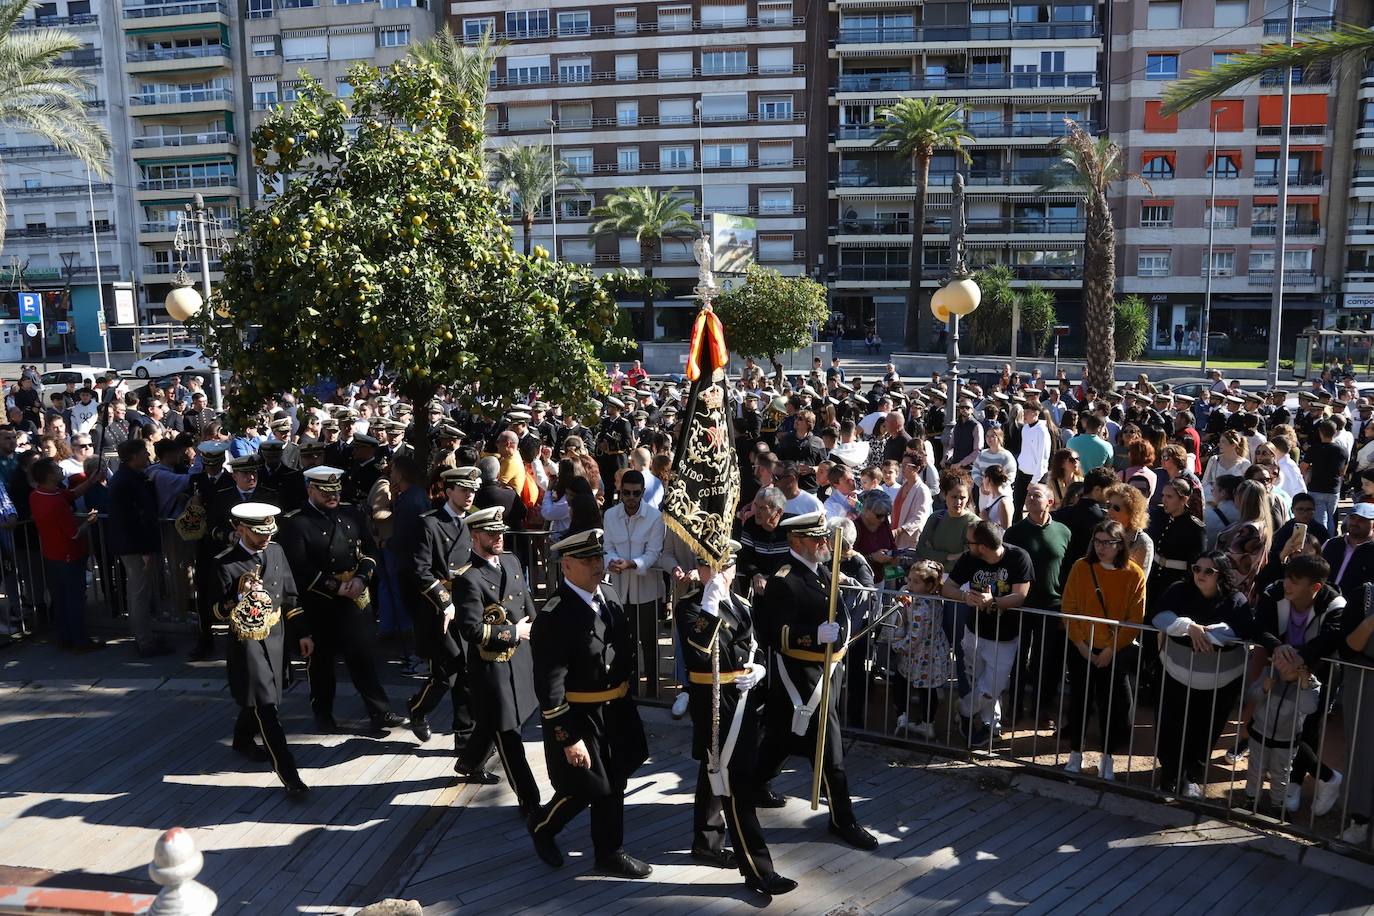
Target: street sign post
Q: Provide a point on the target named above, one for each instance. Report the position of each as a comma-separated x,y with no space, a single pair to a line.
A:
62,327
31,312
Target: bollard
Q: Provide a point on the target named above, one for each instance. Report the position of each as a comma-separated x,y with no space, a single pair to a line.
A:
176,862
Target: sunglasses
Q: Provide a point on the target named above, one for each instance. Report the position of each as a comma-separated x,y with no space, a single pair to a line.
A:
1204,570
625,492
1117,507
1107,542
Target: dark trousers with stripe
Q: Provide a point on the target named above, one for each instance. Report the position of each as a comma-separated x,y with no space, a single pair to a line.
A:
777,745
511,749
608,819
362,670
263,720
713,815
447,675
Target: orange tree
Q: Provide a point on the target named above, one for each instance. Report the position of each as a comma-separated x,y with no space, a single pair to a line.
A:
386,248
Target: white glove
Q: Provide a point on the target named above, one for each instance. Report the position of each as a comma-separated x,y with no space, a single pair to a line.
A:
753,674
828,633
449,613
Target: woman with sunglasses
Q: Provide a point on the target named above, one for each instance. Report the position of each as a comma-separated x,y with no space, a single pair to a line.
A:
1177,534
1127,506
1229,459
1106,583
1204,622
1065,470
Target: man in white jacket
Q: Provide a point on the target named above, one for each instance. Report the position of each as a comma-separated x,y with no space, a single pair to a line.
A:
84,412
633,540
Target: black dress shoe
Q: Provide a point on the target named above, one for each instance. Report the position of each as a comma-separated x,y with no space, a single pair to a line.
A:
251,750
297,791
772,886
769,799
419,725
326,725
388,720
855,836
479,775
623,865
721,858
544,846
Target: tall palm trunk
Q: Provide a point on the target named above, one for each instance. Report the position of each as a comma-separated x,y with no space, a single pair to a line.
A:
527,223
1099,284
915,328
648,249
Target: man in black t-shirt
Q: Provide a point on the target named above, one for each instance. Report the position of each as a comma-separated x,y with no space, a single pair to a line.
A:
1323,465
993,578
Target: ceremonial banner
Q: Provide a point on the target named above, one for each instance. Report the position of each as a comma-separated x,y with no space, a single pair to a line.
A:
701,495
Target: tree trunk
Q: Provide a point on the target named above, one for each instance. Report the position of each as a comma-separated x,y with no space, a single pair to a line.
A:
1099,283
646,250
915,327
527,223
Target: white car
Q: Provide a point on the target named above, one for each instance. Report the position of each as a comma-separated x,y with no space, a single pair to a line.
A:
83,376
174,361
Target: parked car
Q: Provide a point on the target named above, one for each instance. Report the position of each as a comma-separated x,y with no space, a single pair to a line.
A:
83,376
172,361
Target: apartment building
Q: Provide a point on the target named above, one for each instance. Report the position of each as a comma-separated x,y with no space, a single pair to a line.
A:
1355,264
705,97
54,213
1020,70
1163,236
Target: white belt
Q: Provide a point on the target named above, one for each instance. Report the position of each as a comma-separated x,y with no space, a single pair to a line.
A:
802,712
720,780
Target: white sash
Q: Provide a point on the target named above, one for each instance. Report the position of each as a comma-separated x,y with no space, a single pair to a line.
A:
720,781
802,712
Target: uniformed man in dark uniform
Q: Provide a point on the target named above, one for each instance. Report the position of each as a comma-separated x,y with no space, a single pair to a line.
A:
569,427
211,478
1276,413
711,621
255,593
244,487
541,425
445,548
278,476
312,456
364,471
495,611
614,440
584,650
935,424
333,558
205,485
791,620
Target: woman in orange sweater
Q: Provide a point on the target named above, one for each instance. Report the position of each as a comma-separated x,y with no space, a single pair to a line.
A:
1107,584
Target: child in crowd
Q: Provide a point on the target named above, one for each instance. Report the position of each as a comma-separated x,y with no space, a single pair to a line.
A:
920,651
1281,699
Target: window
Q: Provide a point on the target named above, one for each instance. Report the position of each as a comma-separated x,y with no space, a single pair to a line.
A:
725,155
578,251
1157,122
775,60
579,160
674,158
1153,263
626,22
575,115
1292,260
627,159
474,29
1228,14
1223,264
675,111
354,45
1161,66
773,13
627,113
524,70
674,64
775,108
265,47
726,199
311,47
527,24
523,117
264,96
575,70
290,91
32,184
1222,57
1228,114
725,106
574,207
775,153
775,201
775,247
401,4
1163,14
394,37
1158,167
627,66
1156,216
343,88
674,18
575,23
260,9
1227,165
720,15
714,63
1223,216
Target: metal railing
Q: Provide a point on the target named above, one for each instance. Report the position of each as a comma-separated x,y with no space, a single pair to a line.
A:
165,140
938,225
914,82
1300,24
192,8
182,97
937,34
1295,180
1302,227
981,130
187,184
1265,277
154,54
58,190
639,28
45,232
48,22
551,77
902,272
158,267
643,121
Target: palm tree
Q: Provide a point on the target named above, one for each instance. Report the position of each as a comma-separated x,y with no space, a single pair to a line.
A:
39,95
528,174
1314,50
468,65
916,128
1091,165
651,217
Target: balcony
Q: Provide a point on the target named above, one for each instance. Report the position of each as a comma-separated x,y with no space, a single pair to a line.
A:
902,273
166,10
80,59
642,28
188,184
178,141
50,22
1300,25
550,78
506,127
1295,228
1260,277
58,190
917,82
1294,130
24,152
1005,225
54,232
965,33
160,268
982,130
1311,76
178,101
161,55
1295,180
904,178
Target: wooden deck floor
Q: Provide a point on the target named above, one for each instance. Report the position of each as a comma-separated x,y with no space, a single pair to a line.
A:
92,769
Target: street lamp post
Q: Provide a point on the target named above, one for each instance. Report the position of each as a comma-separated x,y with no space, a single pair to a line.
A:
553,187
959,296
183,302
1211,232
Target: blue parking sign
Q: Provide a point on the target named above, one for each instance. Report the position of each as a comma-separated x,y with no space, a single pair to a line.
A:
30,308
